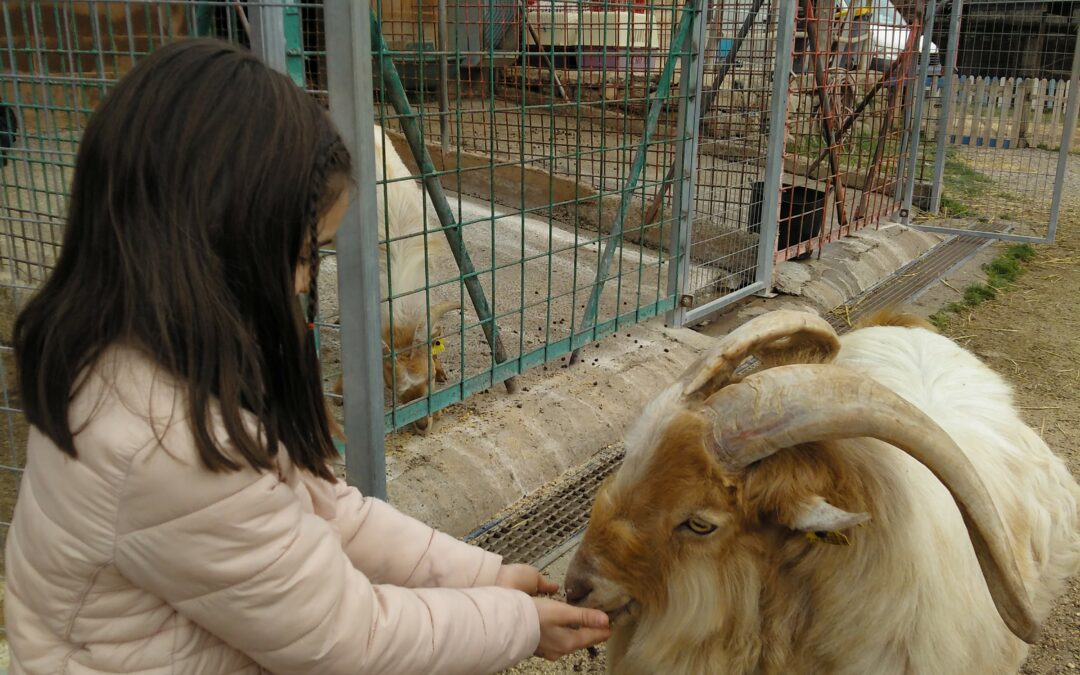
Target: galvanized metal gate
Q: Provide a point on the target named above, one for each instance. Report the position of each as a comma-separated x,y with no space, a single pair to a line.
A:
1008,103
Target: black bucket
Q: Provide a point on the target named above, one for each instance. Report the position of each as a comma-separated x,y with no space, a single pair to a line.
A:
802,211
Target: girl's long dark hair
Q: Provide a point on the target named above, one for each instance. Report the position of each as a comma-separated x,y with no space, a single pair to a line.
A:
199,183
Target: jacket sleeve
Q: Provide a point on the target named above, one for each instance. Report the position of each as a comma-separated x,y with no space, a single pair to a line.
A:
410,553
236,554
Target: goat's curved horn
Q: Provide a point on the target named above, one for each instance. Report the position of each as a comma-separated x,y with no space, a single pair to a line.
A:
789,405
772,333
440,310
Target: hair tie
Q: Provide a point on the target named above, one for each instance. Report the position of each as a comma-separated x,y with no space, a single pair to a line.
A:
311,326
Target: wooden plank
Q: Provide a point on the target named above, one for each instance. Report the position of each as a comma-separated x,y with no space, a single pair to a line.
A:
1023,100
1056,130
961,120
957,95
978,110
1038,106
991,111
1003,114
1019,94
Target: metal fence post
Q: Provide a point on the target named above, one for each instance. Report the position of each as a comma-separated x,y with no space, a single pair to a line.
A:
686,149
276,36
348,58
774,160
917,115
1071,109
906,106
947,94
268,34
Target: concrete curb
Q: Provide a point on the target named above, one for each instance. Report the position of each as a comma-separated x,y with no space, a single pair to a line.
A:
845,269
493,449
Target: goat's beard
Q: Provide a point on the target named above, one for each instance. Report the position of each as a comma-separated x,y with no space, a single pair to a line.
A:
709,618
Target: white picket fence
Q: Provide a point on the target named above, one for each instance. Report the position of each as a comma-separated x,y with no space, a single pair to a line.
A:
1003,112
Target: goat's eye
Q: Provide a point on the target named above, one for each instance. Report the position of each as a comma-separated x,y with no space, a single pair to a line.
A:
699,526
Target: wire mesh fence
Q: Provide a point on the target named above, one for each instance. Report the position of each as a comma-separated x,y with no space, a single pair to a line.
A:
731,146
852,84
549,126
995,149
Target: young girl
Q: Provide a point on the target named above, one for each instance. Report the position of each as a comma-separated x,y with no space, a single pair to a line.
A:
177,513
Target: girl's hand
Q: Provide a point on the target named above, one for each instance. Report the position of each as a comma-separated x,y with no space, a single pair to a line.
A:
565,628
525,578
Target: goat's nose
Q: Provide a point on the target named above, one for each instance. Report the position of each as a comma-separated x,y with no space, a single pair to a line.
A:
423,423
578,589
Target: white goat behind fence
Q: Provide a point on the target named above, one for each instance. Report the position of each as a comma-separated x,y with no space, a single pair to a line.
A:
411,244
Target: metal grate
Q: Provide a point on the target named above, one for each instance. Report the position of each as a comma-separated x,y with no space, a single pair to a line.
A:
548,523
541,524
912,279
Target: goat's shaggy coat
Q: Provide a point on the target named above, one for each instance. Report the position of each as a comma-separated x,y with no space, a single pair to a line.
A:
407,226
757,595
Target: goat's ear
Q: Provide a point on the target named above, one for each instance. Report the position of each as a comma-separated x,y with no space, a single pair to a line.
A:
385,349
817,517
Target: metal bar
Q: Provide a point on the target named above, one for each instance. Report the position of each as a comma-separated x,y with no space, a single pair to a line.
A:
348,59
978,233
268,34
690,10
874,169
395,93
906,107
686,156
947,95
294,43
444,80
927,27
774,160
826,113
1072,107
706,105
696,314
852,117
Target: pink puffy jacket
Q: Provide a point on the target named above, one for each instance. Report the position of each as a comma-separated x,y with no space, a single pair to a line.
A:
136,559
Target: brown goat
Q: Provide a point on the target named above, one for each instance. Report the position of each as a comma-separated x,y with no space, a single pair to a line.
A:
865,504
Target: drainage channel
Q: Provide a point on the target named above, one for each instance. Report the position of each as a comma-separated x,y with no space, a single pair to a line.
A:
544,525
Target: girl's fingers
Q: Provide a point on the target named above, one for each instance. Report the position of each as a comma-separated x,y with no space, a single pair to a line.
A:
584,618
546,586
587,637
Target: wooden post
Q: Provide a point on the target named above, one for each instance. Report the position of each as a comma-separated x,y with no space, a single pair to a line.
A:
1056,129
992,90
1003,115
979,108
1032,65
1018,97
961,120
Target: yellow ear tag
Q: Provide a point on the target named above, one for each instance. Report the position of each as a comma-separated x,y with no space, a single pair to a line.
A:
834,538
437,347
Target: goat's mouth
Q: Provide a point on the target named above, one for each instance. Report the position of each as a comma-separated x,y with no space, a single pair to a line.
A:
621,615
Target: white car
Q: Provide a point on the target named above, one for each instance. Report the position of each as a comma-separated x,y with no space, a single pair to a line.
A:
887,31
